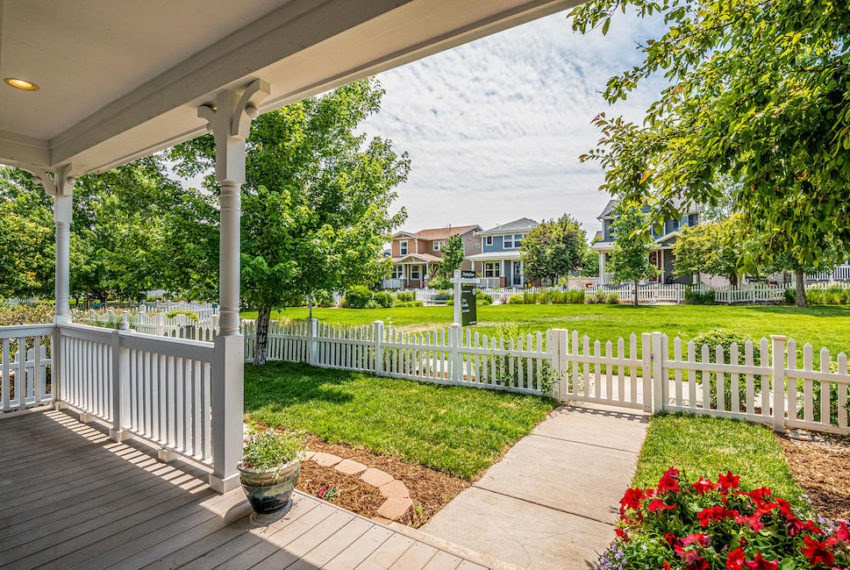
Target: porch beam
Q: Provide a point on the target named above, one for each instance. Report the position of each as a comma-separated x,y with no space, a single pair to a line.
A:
229,119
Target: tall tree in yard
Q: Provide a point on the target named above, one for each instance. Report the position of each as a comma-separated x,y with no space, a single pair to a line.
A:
758,94
452,257
630,256
554,249
316,201
714,248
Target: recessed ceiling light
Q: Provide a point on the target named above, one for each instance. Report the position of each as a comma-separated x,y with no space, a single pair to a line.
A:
21,84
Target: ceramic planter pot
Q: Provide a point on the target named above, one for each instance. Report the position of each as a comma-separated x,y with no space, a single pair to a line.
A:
269,490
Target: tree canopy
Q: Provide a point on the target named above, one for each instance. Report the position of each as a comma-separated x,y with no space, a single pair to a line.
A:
632,246
713,248
758,92
452,257
554,249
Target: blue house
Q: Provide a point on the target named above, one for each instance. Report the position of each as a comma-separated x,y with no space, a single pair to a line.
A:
500,263
662,255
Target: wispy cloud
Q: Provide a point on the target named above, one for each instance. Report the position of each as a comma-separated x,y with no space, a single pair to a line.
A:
494,128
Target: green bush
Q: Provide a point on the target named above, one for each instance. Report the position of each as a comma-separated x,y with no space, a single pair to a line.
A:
698,298
322,298
613,299
357,297
725,338
598,298
553,296
191,314
442,296
409,304
405,296
483,298
575,297
267,449
530,298
440,282
372,304
790,296
516,300
383,299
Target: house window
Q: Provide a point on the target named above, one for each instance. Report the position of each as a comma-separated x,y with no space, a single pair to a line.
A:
508,242
438,245
491,269
414,272
488,240
518,240
674,225
397,272
402,247
693,219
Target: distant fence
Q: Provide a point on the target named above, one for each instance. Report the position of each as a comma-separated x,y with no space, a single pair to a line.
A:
178,326
773,381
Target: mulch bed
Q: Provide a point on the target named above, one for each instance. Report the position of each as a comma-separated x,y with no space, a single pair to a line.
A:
430,490
822,467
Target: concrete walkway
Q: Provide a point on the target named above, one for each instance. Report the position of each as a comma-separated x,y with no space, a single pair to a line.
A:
551,502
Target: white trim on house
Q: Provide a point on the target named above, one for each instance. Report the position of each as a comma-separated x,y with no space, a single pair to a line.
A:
512,255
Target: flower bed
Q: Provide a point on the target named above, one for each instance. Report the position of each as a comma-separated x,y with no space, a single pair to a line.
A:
708,525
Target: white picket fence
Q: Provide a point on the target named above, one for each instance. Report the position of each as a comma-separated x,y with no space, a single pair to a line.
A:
25,367
838,273
203,310
179,326
760,382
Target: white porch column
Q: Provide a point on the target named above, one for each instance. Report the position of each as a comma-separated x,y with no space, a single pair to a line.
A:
602,268
230,122
521,273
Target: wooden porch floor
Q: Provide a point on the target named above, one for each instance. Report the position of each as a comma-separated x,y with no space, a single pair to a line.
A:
69,497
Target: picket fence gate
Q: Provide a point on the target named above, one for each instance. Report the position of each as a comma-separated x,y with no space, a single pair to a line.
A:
773,381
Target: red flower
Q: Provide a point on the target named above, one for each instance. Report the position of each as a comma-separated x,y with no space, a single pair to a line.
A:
669,481
735,559
795,526
715,513
658,505
761,494
817,552
672,540
703,485
693,560
784,508
753,522
631,500
841,533
622,534
759,563
728,481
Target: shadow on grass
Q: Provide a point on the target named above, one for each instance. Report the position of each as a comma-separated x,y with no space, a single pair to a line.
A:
814,311
279,385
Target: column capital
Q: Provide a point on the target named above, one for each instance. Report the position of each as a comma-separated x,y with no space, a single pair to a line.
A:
229,120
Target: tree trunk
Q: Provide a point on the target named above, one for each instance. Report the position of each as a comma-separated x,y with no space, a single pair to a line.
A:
801,300
636,293
733,279
310,308
263,317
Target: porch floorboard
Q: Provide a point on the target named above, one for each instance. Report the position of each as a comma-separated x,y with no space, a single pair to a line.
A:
70,497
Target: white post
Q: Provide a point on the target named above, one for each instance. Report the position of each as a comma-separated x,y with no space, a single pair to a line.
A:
120,381
312,345
657,373
521,274
602,268
457,318
455,341
556,346
378,336
778,382
229,119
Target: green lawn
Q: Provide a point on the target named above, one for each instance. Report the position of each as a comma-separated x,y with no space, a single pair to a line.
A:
822,326
703,446
455,429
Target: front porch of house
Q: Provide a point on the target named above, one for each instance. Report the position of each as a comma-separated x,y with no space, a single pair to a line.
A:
75,498
499,269
411,271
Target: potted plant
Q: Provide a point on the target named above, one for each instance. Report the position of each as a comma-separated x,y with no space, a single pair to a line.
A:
269,469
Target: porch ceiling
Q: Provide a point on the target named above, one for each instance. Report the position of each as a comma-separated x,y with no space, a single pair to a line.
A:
121,79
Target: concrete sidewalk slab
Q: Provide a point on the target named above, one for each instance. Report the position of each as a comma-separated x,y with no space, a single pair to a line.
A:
551,502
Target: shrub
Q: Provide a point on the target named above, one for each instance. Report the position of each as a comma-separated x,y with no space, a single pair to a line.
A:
613,299
323,298
409,304
553,296
575,297
383,299
267,449
506,374
371,304
405,296
725,338
440,282
698,298
530,298
516,300
192,315
357,297
442,296
600,298
25,314
704,524
790,296
483,298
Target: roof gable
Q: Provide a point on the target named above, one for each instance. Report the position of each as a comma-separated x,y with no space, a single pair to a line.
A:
521,225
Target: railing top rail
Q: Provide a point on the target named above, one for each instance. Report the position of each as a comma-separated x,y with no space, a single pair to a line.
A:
181,347
15,331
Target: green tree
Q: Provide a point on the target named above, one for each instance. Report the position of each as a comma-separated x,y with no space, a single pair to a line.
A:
315,203
452,259
554,249
714,248
757,92
632,246
590,265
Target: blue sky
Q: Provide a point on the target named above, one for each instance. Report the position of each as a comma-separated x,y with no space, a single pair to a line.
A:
494,128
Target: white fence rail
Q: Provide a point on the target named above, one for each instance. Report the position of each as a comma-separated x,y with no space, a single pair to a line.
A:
203,310
25,367
154,387
771,381
838,273
178,326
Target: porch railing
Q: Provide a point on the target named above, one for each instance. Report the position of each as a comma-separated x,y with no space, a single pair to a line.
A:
26,367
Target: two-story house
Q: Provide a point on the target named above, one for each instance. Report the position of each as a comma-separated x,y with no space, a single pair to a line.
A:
662,254
416,255
500,262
